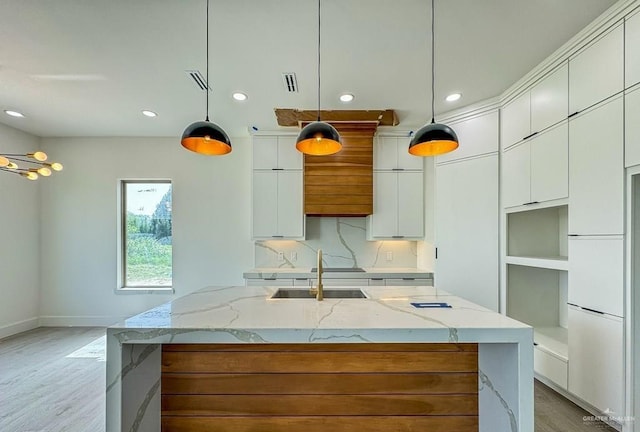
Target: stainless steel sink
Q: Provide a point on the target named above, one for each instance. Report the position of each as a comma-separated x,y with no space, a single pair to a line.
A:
297,293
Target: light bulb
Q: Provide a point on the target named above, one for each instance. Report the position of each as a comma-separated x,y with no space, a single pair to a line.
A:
4,161
30,175
39,156
44,171
12,165
56,166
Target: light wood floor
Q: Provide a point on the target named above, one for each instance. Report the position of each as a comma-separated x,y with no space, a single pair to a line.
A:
53,380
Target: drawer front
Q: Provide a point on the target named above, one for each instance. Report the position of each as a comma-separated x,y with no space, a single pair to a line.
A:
343,282
409,282
550,367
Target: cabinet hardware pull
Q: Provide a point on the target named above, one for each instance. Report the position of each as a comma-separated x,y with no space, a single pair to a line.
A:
397,169
408,278
397,236
574,114
436,253
532,202
592,310
535,344
573,235
529,136
277,169
377,279
302,279
270,279
277,236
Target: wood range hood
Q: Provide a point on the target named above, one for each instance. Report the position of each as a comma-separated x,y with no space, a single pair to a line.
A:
340,184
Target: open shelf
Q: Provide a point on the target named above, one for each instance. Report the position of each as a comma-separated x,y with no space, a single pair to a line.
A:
552,340
547,262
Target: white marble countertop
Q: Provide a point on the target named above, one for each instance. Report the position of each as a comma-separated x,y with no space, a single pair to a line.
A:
368,273
249,314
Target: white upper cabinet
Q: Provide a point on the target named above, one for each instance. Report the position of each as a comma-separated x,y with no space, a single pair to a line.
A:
596,170
596,276
398,206
477,136
276,152
536,170
516,120
632,128
550,164
392,154
540,107
516,175
597,72
632,50
550,100
277,204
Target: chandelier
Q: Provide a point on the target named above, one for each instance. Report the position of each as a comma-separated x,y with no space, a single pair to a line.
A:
29,165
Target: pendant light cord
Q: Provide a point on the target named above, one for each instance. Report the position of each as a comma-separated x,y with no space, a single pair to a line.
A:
433,64
207,89
319,60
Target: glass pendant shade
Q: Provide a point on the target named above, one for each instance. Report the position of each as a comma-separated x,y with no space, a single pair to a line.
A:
432,140
206,138
318,139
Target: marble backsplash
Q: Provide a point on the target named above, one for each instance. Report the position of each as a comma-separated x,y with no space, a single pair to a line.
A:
344,244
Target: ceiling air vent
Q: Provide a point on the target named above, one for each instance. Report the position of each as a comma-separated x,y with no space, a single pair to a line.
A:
290,82
197,77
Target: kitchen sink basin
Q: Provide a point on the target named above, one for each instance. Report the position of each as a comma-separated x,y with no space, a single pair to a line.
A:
297,293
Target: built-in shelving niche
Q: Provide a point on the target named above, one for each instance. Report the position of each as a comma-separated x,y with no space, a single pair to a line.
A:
537,283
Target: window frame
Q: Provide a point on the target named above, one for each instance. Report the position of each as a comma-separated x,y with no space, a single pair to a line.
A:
121,286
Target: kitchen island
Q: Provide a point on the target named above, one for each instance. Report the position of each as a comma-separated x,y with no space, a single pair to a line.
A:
233,358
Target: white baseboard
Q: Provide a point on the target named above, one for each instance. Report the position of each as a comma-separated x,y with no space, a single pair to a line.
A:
18,327
79,321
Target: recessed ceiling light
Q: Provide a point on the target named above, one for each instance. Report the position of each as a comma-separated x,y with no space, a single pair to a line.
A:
453,97
347,97
239,96
14,113
149,113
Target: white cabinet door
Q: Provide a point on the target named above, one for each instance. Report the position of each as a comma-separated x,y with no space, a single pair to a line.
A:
265,152
596,359
290,212
265,204
632,128
596,273
596,170
392,153
407,161
410,204
288,155
516,175
632,50
467,229
550,164
550,100
516,120
276,152
477,136
597,72
384,221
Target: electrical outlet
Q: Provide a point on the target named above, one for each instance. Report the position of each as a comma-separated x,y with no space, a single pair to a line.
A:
294,256
389,256
280,256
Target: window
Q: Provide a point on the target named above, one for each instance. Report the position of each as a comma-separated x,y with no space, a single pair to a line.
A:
146,251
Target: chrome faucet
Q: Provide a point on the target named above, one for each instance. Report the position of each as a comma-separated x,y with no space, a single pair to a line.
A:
318,290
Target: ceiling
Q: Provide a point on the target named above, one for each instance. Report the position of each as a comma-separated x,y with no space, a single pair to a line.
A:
88,67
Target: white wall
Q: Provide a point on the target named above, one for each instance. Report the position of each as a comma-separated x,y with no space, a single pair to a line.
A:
19,244
211,231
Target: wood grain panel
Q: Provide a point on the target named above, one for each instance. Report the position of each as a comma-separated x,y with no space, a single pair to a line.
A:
321,424
354,160
326,347
300,383
319,405
294,117
349,190
337,362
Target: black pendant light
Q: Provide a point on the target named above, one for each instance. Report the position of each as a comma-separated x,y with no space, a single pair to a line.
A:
435,138
318,138
204,137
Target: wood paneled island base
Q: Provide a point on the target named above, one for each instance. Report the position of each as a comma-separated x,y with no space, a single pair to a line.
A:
320,387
